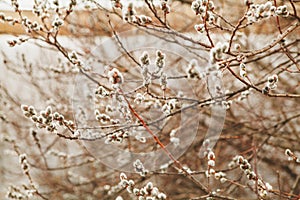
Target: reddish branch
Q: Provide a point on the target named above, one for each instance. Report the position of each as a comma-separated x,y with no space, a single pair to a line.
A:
157,140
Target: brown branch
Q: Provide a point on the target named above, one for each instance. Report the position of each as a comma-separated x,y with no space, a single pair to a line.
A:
154,11
264,49
236,29
157,140
205,25
277,19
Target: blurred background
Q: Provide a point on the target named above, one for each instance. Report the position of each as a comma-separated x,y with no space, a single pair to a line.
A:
256,126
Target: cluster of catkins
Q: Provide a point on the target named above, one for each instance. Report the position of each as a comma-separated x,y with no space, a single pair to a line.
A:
148,192
262,11
47,119
271,84
245,166
204,9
